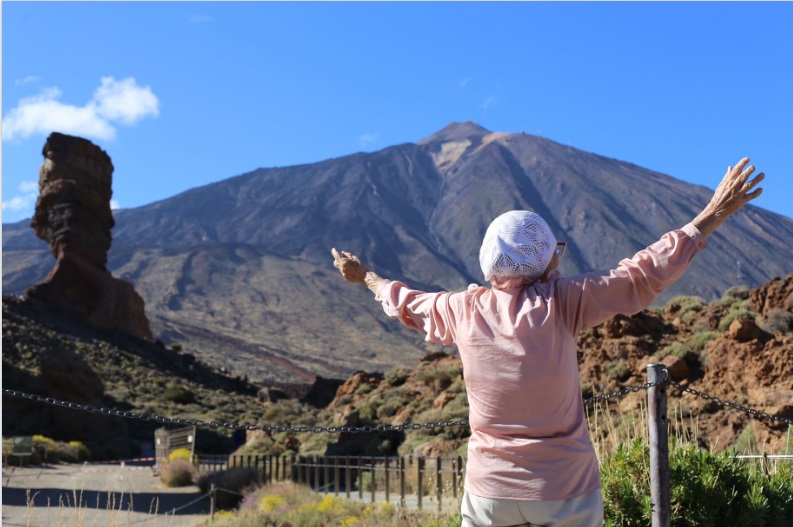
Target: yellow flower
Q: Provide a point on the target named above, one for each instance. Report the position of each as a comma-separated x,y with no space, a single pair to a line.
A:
271,501
349,521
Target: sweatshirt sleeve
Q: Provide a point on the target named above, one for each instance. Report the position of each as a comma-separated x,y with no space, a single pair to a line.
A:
430,313
592,298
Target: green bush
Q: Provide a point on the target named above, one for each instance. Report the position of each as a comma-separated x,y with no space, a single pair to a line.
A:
778,321
678,349
689,306
699,340
178,474
735,314
617,370
706,489
179,394
734,294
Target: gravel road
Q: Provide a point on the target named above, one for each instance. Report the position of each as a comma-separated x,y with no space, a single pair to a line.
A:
108,495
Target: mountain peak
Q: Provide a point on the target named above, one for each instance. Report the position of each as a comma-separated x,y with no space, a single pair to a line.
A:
455,131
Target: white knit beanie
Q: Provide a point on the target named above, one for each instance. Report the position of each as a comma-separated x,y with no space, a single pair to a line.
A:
517,244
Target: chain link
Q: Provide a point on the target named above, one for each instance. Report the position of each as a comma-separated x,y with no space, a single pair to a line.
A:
234,426
370,428
736,406
625,391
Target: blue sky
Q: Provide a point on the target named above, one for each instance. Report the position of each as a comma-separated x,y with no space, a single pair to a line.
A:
182,94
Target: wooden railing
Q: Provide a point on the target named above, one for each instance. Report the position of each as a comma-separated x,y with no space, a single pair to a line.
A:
374,478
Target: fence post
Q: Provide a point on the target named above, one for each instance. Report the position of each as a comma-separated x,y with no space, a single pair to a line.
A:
387,486
335,475
659,446
212,493
347,476
360,478
419,469
438,483
374,461
401,481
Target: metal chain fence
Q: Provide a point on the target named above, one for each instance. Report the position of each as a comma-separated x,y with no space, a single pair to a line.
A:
372,428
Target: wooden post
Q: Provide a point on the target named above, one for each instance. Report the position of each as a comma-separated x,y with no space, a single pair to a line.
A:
659,446
347,476
438,489
419,467
387,486
401,481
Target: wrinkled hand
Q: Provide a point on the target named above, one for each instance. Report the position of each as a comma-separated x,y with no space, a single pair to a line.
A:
734,191
350,266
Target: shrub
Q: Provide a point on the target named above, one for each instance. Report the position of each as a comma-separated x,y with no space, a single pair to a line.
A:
706,488
180,454
689,306
734,296
778,321
397,376
735,314
230,484
678,349
699,340
617,370
179,394
178,474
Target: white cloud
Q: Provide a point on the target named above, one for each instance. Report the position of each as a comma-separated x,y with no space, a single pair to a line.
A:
489,102
27,80
29,186
25,202
115,205
20,202
113,101
199,19
368,139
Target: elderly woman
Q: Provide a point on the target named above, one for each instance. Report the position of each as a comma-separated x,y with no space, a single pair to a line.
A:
530,458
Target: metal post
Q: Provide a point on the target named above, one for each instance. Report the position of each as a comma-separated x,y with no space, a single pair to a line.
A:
659,446
419,469
401,481
373,485
438,483
336,475
316,472
212,501
347,474
387,486
327,474
360,477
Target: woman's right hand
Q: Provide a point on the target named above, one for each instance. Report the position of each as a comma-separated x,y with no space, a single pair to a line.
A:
734,191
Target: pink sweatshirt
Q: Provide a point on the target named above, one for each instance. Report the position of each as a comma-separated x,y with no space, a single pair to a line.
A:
529,438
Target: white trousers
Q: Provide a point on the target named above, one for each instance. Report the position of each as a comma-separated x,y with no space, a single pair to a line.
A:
583,511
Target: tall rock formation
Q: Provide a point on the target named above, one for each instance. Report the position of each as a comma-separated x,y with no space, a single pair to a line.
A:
73,215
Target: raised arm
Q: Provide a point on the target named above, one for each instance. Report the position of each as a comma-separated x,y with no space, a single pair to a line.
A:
354,270
734,191
429,313
635,283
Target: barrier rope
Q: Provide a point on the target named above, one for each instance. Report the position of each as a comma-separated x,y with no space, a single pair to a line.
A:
372,428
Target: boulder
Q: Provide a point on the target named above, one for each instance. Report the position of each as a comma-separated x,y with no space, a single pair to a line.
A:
747,330
776,294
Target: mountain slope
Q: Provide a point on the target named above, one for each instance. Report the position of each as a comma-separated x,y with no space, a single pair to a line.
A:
240,272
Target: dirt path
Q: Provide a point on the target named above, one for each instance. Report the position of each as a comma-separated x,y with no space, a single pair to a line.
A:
107,495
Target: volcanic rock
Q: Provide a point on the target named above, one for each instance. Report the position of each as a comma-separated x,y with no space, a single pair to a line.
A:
776,294
73,215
